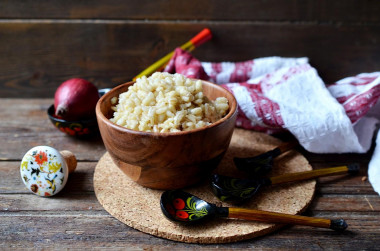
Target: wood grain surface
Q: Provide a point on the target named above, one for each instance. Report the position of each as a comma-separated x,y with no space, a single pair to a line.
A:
109,42
74,218
261,10
43,43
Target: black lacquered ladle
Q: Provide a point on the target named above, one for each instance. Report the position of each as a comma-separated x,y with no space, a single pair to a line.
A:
238,190
183,207
263,163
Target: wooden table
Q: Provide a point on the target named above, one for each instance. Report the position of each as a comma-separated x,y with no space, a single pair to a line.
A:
75,219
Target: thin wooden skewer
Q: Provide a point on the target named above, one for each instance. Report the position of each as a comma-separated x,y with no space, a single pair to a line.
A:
273,217
290,177
196,41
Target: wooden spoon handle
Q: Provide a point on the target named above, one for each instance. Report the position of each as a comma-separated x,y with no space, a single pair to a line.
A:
290,177
272,217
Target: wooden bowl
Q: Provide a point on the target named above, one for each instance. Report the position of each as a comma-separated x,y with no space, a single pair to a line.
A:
167,160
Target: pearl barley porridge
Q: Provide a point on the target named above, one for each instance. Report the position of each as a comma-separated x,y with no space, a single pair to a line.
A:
167,102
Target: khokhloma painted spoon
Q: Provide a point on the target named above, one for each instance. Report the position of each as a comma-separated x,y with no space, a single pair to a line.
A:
263,163
238,190
183,207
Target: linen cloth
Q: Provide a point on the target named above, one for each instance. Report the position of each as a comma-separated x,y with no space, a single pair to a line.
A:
275,94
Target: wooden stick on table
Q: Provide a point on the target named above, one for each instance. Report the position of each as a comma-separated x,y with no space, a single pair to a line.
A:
196,41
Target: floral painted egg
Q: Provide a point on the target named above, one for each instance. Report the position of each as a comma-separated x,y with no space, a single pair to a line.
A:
45,171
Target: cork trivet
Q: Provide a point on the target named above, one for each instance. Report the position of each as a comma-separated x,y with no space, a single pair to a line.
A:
139,207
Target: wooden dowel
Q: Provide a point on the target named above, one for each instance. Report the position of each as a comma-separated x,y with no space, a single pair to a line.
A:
70,159
190,45
290,177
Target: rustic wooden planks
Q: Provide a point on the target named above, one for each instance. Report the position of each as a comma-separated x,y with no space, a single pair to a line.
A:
99,230
25,124
43,43
39,56
109,42
75,219
80,181
219,10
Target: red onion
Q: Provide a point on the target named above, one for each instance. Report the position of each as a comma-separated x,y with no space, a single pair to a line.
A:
75,99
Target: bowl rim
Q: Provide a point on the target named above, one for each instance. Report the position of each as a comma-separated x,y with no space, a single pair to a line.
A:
232,111
50,112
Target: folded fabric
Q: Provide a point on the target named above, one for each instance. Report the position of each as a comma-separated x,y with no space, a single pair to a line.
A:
276,94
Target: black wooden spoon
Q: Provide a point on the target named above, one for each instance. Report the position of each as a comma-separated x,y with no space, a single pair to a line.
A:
238,190
263,163
183,207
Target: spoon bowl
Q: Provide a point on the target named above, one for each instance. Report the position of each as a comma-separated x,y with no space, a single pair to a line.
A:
181,206
234,189
262,164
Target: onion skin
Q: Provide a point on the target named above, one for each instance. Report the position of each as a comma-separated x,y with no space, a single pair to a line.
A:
75,99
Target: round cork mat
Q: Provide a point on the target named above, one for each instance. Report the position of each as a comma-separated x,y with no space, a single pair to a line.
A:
139,207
